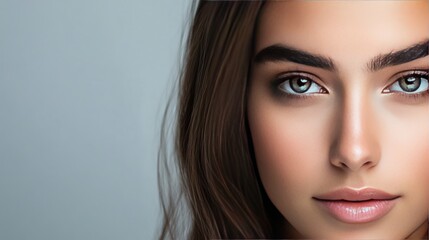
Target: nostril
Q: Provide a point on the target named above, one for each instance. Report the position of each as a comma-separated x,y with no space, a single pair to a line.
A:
367,164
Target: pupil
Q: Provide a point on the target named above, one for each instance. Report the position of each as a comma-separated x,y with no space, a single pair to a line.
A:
302,82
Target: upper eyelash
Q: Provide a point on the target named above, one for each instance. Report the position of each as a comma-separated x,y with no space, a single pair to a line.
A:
411,73
414,72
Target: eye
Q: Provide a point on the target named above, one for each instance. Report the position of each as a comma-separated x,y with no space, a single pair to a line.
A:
413,83
296,85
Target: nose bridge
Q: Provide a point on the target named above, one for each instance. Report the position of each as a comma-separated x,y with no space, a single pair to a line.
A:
355,145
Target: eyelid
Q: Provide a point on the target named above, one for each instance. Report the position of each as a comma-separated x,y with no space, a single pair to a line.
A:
411,72
418,71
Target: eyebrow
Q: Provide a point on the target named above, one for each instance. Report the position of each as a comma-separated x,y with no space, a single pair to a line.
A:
279,52
419,50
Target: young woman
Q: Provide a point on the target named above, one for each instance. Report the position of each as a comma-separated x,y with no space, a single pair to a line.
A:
304,119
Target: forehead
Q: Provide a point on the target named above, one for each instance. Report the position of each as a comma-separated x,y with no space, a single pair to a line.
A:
340,29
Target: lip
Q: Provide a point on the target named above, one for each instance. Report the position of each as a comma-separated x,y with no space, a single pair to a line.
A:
357,206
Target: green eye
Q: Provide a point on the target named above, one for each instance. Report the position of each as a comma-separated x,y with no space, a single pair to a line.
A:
411,84
300,85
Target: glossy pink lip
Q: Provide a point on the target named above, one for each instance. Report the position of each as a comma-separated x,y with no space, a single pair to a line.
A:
357,206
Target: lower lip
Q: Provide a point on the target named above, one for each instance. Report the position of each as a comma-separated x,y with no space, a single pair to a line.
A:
358,212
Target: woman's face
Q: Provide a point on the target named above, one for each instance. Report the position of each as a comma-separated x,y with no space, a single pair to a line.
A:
338,111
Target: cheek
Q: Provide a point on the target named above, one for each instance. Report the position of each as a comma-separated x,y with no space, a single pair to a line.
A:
411,158
407,153
406,163
289,148
404,137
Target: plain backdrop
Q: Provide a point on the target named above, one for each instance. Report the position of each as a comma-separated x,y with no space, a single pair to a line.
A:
83,85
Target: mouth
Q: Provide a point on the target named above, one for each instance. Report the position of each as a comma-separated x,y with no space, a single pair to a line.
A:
357,206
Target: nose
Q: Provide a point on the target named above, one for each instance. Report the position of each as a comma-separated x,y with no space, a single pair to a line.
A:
355,146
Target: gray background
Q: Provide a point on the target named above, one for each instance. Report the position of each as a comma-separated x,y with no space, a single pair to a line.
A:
83,84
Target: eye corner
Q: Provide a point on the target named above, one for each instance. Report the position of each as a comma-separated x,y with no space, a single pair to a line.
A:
386,90
323,90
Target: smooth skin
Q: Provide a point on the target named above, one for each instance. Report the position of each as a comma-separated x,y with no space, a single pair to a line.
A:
357,130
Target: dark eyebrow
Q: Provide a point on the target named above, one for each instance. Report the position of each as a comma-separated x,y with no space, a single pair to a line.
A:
408,54
279,52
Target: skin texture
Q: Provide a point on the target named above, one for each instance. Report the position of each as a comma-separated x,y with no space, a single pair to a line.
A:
354,134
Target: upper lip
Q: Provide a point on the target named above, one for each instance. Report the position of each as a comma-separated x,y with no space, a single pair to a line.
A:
350,194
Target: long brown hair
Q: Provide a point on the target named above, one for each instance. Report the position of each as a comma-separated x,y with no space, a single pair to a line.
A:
218,178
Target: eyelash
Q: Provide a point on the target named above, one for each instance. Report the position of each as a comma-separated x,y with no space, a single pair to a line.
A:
282,94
